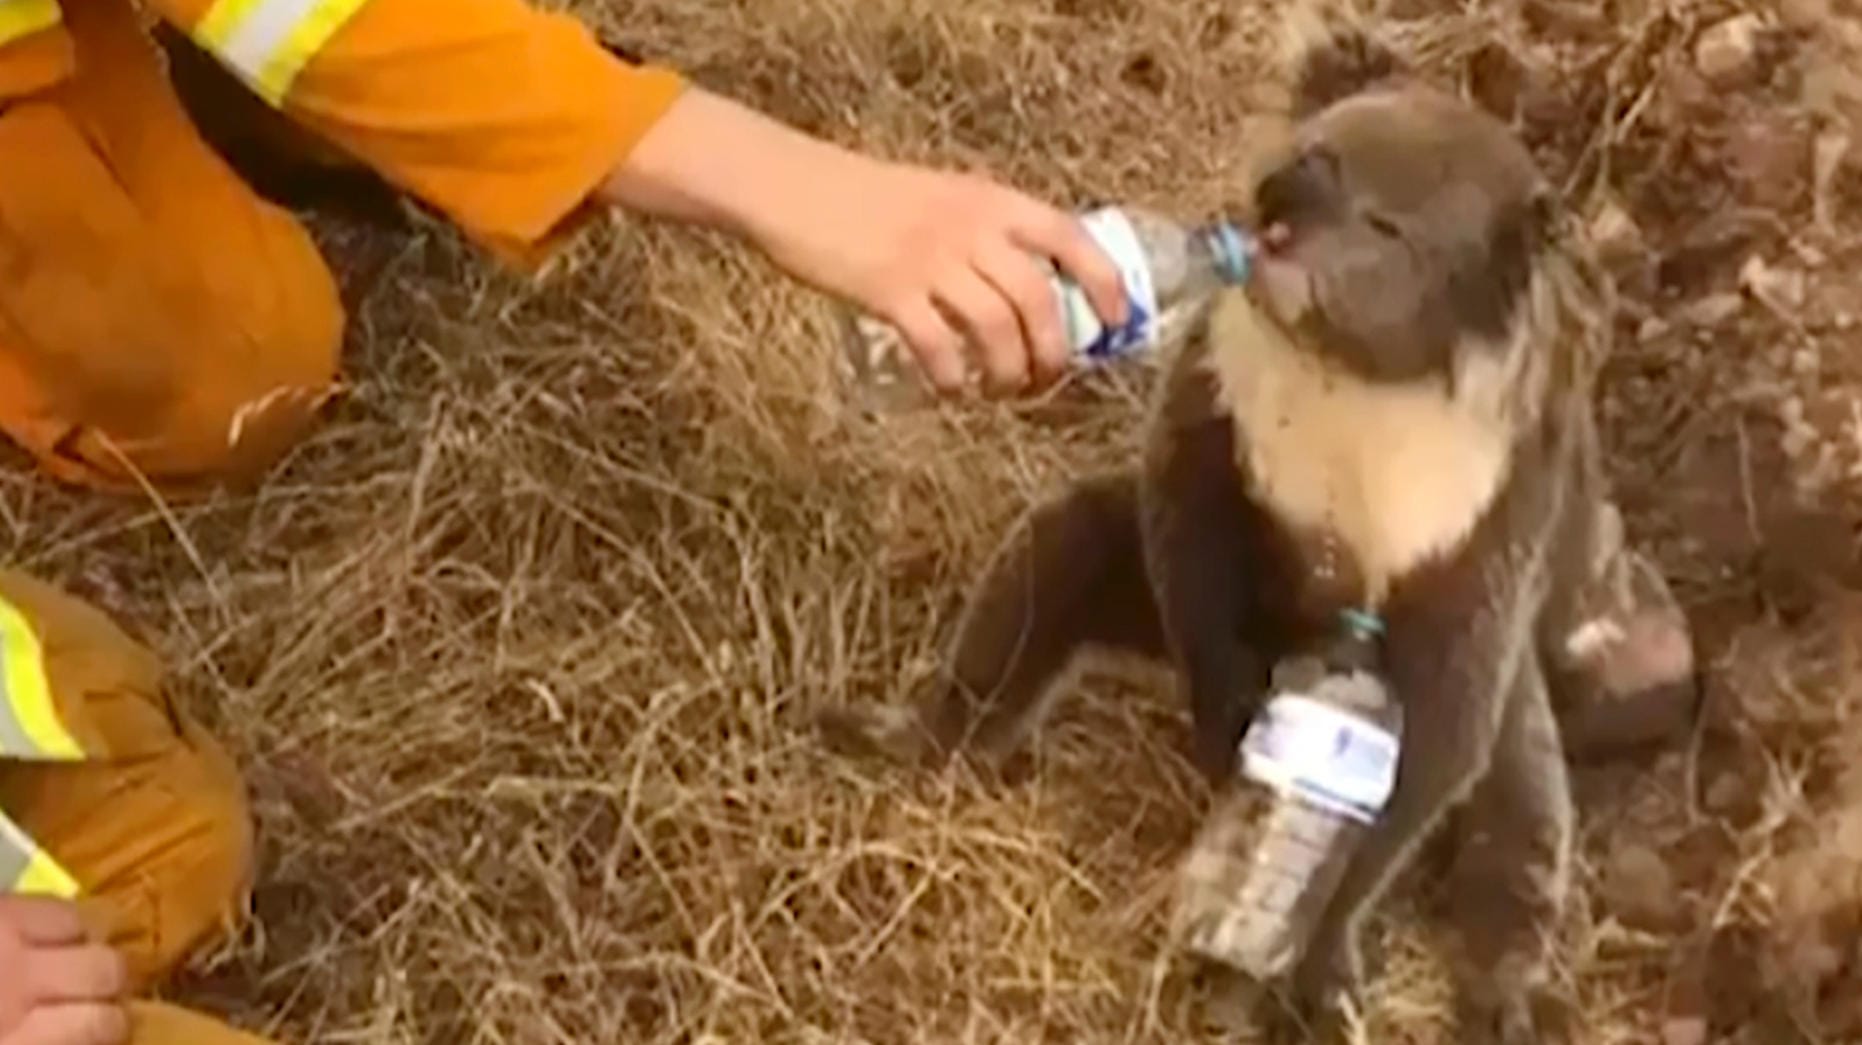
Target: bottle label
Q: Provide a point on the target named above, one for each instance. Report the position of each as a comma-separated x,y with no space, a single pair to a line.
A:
1329,757
1116,236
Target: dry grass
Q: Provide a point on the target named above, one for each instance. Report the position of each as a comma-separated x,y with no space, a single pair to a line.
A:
519,649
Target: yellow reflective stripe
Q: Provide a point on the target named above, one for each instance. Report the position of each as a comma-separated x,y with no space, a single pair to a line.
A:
43,877
269,42
26,695
24,17
26,869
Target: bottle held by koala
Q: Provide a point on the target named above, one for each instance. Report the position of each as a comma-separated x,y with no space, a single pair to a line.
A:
1325,747
1169,270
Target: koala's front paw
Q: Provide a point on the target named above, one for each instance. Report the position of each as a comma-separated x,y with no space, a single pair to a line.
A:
1327,990
1330,1020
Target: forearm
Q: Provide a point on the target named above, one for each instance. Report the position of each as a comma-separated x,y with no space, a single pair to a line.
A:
951,259
714,162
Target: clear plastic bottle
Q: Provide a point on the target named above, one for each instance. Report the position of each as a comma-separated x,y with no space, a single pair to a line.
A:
1325,747
1169,270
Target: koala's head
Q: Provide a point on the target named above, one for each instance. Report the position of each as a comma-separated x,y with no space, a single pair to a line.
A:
1399,224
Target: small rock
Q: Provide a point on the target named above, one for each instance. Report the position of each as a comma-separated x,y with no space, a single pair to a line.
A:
1727,53
1781,290
1845,321
1652,328
1769,156
1685,1030
1641,890
1809,254
1795,443
1726,793
1712,310
1615,234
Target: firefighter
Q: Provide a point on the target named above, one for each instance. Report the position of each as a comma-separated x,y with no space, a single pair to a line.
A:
125,840
161,323
159,319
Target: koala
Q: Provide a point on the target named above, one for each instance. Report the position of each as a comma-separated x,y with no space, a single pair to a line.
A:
1393,416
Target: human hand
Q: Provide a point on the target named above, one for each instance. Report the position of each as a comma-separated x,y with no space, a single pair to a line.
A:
59,987
955,261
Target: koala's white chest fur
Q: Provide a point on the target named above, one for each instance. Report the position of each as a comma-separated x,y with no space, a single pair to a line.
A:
1397,474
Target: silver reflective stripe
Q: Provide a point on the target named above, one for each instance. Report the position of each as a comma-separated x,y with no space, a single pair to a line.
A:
262,32
269,42
27,869
16,851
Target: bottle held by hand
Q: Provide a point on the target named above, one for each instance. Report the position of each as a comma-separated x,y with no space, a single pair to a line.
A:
1170,271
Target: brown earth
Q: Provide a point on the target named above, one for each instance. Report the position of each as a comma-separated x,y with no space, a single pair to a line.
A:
520,649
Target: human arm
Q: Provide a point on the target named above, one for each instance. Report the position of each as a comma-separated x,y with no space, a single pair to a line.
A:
948,258
517,124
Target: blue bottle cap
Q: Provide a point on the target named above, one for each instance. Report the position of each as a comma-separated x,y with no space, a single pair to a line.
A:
1234,252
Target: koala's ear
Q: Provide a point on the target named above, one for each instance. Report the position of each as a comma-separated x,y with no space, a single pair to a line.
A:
1332,56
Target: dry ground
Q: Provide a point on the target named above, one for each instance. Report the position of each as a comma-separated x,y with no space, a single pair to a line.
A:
519,649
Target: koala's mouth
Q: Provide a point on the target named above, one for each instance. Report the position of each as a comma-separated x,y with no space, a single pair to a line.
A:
1281,282
1277,238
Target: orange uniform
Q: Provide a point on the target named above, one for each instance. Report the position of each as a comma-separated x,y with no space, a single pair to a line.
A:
111,798
160,322
156,316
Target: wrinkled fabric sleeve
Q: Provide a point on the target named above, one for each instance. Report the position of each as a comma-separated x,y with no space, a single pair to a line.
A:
502,116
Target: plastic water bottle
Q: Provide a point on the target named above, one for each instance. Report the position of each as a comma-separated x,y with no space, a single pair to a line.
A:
1325,747
1169,271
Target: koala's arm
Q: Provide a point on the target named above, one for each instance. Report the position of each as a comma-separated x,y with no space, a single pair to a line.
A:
1478,727
1199,538
1445,668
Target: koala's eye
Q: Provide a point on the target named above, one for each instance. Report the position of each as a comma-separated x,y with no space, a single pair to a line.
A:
1318,166
1382,225
1306,186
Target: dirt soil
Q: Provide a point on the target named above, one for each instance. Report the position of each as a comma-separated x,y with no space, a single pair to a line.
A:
519,651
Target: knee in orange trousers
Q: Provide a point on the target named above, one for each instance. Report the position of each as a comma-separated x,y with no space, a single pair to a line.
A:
159,321
156,828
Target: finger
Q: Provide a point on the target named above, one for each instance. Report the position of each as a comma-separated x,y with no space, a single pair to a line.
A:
1018,276
75,974
934,341
1064,238
43,922
83,1024
992,325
